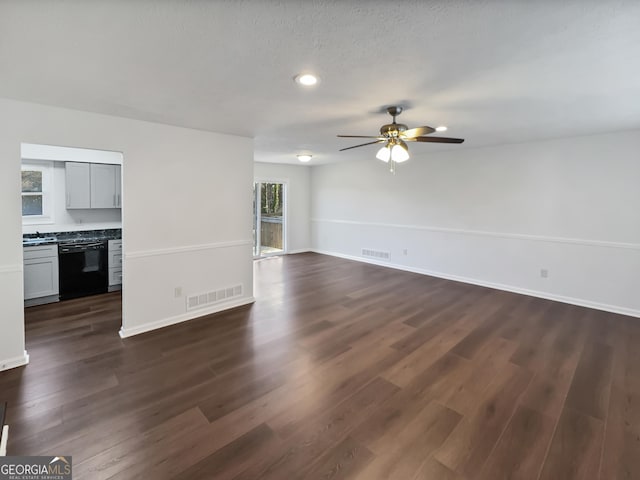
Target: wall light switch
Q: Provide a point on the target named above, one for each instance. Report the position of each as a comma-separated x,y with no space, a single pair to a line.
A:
177,292
544,273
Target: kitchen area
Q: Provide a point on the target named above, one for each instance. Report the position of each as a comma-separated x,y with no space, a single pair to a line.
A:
72,223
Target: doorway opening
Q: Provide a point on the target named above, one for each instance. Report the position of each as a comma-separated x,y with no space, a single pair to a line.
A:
72,239
269,218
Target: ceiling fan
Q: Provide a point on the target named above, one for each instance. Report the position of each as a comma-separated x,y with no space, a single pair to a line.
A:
394,137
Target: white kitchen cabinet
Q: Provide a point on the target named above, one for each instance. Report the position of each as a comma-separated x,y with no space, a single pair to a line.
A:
41,274
115,264
118,186
78,185
103,186
93,185
115,279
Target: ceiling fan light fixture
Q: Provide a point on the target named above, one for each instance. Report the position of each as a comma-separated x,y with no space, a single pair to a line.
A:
441,128
304,158
384,153
400,152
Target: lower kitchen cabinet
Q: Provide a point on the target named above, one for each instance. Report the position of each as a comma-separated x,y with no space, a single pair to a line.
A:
115,279
41,284
115,265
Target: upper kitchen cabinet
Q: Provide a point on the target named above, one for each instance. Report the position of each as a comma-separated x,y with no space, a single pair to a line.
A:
105,185
118,186
93,185
78,185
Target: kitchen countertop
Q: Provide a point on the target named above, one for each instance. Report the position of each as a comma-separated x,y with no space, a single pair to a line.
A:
52,238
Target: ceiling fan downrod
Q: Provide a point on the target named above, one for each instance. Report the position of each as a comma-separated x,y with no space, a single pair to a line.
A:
394,111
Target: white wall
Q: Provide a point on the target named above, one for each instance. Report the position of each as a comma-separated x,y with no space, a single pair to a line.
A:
34,151
297,178
71,220
186,216
497,216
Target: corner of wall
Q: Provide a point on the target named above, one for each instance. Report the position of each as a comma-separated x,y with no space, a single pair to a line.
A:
19,361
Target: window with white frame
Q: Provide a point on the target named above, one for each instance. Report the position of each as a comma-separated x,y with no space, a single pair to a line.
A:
37,194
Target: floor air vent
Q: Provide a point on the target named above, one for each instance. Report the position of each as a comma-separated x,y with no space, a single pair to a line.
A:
375,254
217,296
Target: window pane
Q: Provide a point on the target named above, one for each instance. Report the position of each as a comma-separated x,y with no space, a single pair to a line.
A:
31,181
271,199
271,231
31,205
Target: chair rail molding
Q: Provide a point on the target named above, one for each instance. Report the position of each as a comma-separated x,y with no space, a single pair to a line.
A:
187,248
484,233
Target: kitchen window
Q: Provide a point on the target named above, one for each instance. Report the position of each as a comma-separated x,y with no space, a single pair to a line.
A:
37,195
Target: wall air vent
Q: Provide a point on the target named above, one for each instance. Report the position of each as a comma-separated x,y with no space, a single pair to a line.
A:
192,302
380,255
203,300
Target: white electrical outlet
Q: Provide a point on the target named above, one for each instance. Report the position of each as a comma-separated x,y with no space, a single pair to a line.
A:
544,273
177,292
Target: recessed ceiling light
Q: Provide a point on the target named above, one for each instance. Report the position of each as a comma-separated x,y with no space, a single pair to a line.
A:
304,158
441,128
306,79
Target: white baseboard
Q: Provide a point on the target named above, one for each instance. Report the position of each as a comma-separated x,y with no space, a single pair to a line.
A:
41,300
498,286
14,362
183,317
300,250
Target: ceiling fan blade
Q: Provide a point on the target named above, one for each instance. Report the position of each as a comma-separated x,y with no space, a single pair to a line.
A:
361,136
361,145
418,131
435,139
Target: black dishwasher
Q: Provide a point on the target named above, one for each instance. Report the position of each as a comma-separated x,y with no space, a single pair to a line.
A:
83,269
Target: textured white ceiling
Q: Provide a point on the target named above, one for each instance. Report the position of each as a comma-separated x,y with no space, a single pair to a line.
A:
493,71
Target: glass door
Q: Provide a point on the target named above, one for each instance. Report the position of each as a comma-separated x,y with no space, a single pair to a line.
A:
268,218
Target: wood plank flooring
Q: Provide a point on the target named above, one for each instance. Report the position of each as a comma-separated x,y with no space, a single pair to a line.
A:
340,370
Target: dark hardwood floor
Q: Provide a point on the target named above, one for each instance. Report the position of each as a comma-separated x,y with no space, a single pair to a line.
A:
339,370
